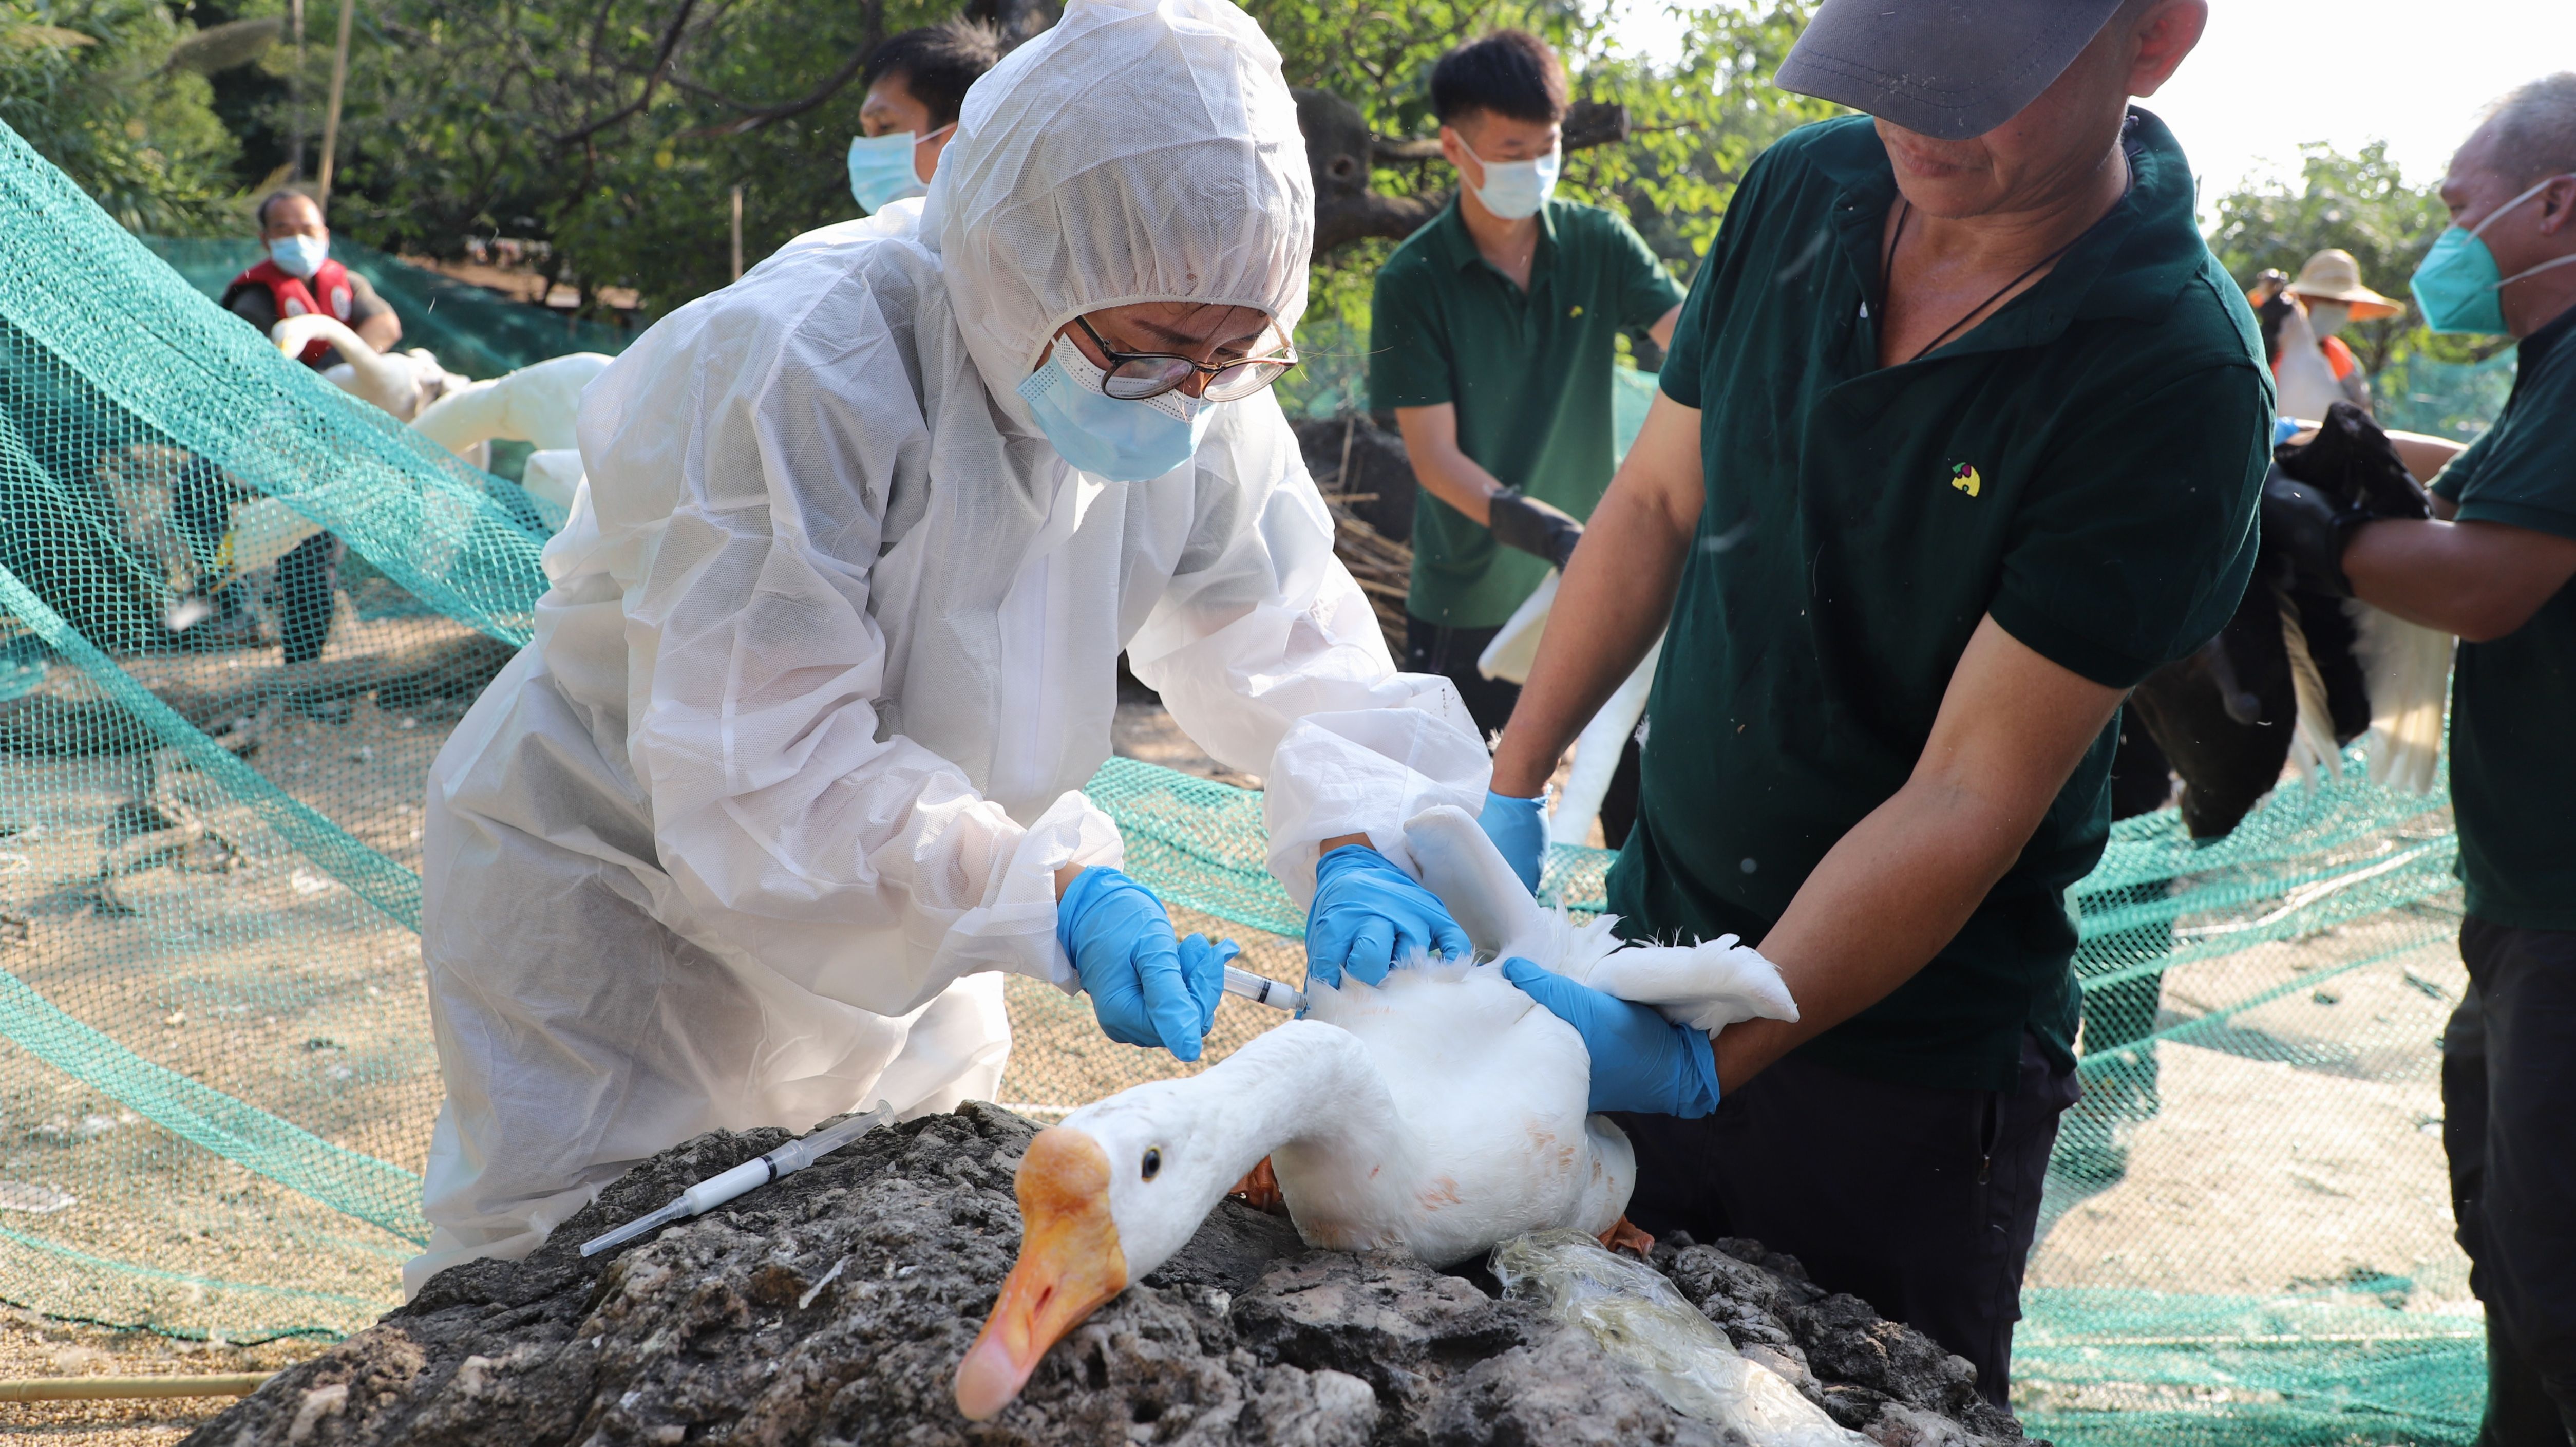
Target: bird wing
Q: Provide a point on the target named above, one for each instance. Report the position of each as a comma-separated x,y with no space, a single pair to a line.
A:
1461,866
1706,986
2312,737
2407,669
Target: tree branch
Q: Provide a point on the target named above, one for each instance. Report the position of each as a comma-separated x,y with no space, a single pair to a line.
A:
644,98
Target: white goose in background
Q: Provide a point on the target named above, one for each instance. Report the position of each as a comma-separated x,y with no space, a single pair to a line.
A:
401,383
1440,1114
538,403
2304,381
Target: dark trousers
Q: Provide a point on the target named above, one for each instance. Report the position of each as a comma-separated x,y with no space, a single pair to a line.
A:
1452,654
1919,1200
2509,1126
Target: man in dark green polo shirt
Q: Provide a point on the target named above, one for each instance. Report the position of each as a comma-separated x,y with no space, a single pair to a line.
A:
2494,567
1494,332
1960,437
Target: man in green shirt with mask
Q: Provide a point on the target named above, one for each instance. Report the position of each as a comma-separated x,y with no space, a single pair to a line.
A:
1492,339
2494,566
1960,437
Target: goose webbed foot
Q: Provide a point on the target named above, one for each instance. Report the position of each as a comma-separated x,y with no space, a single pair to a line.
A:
1623,1235
1259,1189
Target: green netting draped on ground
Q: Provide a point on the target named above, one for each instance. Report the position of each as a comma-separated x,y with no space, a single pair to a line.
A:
216,1079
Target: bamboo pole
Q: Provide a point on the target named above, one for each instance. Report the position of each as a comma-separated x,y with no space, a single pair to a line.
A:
737,231
295,96
331,110
82,1389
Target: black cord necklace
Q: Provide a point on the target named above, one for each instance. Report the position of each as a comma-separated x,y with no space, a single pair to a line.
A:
1887,276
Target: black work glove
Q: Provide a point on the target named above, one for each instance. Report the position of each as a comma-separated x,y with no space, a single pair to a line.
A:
2311,528
1533,526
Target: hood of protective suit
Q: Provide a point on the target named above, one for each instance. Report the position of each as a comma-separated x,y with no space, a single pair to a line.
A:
1140,150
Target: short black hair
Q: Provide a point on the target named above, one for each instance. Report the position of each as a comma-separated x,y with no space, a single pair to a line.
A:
259,214
1510,72
937,63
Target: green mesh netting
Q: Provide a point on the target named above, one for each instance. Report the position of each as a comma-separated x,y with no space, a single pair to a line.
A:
216,1082
2447,399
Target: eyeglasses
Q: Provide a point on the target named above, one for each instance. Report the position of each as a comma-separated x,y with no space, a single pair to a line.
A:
1135,376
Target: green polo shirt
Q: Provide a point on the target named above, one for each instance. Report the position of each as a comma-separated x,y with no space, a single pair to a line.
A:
2084,466
1529,372
2513,700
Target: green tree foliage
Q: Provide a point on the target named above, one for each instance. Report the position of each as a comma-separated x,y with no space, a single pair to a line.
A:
95,87
613,130
1698,118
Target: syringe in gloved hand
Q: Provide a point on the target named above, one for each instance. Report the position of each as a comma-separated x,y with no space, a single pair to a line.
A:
715,1190
1263,992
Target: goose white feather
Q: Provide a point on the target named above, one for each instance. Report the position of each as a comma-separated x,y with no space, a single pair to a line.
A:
1597,750
2406,668
2304,381
538,403
1438,1114
401,383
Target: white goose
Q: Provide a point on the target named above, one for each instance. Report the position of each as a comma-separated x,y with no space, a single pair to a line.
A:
401,383
1439,1114
537,403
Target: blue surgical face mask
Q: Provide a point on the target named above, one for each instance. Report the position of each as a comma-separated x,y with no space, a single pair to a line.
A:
2458,285
1515,189
1109,436
299,255
881,170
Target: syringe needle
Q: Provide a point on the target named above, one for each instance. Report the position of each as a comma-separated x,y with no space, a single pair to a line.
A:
641,1225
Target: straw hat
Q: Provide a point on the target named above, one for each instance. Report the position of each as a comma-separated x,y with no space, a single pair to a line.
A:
2334,276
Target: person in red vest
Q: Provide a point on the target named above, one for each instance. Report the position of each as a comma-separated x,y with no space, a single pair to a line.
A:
300,278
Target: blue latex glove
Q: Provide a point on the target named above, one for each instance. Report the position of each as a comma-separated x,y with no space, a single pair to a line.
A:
1518,827
1368,915
1146,987
1640,1060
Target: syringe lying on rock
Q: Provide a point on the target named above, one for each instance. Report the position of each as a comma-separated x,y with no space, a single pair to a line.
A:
715,1190
1262,992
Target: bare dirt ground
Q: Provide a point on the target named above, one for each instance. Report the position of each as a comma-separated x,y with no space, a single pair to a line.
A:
2298,1147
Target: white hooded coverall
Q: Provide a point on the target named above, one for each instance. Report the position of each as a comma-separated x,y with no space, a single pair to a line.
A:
744,836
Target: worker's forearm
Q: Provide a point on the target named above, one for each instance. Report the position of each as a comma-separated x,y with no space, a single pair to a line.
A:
1456,479
2478,580
1614,599
1877,908
380,331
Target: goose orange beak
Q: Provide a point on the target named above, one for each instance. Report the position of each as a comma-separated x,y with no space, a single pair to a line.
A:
1070,1262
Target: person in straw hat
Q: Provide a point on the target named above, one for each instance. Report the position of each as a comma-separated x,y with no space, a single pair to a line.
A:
2329,288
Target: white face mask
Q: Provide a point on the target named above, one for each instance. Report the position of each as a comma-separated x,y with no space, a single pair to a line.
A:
1516,189
2326,318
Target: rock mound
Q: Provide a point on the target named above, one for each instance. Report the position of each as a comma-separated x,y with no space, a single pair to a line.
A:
833,1307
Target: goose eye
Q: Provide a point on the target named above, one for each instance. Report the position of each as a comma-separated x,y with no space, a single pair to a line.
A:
1153,1161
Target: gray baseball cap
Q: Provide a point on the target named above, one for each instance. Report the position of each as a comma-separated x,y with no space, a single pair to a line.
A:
1946,68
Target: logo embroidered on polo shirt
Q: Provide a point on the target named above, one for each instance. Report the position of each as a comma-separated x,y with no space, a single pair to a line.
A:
1578,310
1965,479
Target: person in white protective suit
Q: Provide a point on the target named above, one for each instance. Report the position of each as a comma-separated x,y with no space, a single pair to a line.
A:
791,774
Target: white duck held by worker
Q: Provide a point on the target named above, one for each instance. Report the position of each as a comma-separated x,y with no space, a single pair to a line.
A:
1438,1114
